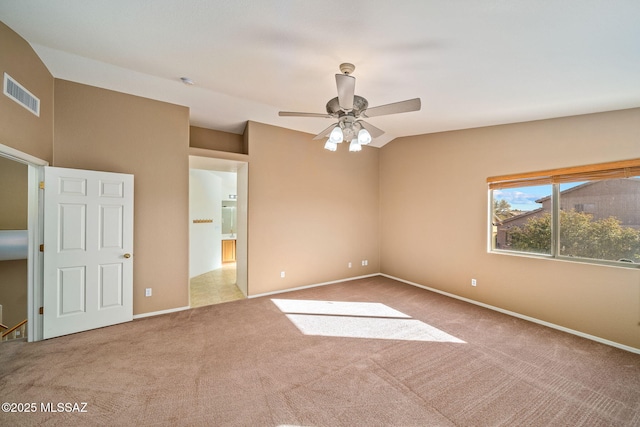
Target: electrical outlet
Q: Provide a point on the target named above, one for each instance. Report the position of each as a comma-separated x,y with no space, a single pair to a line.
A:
473,282
282,274
349,265
366,262
147,292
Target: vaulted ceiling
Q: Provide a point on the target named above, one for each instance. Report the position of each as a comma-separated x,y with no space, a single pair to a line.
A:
473,63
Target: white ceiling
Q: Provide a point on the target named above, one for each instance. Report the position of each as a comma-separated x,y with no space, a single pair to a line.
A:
473,63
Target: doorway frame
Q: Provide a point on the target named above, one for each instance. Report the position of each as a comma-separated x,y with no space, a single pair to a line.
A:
35,229
238,163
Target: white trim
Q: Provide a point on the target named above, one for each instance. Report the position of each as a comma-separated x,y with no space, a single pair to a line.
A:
522,316
158,313
21,157
312,286
35,259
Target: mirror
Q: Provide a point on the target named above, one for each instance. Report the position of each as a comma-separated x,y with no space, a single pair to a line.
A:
229,217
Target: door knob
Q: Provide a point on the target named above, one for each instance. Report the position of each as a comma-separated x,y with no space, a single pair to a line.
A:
127,255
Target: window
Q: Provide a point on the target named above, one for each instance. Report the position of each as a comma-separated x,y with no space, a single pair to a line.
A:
518,210
588,213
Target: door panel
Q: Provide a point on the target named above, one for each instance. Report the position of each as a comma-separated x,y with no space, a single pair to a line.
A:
111,227
71,291
88,230
72,225
111,285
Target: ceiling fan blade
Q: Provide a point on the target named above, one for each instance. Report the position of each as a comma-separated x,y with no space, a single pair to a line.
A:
325,133
295,114
394,108
346,89
373,131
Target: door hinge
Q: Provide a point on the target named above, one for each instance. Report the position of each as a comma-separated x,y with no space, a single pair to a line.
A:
42,185
41,311
41,248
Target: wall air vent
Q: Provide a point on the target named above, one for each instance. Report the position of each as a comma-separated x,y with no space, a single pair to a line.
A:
22,96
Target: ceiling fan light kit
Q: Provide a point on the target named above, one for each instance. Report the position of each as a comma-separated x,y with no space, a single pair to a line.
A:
348,107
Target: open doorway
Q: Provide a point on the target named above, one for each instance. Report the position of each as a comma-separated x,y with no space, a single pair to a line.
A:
13,273
13,248
218,231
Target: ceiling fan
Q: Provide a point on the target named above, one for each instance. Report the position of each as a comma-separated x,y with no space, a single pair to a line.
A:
348,108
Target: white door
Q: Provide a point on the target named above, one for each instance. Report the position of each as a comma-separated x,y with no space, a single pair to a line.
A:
88,247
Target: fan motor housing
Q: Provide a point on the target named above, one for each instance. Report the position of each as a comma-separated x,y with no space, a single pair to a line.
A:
360,104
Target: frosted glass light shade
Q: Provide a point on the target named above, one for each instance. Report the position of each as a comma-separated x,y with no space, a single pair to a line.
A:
331,146
364,137
354,146
336,135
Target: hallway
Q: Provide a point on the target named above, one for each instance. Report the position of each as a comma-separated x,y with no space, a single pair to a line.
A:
215,287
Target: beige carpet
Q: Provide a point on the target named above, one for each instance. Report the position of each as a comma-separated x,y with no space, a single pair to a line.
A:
246,363
215,287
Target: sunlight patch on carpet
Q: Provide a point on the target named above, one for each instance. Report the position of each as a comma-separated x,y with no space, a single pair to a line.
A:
337,308
358,320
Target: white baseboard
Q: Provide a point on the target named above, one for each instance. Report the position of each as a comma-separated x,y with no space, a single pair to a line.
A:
521,316
157,313
313,286
173,310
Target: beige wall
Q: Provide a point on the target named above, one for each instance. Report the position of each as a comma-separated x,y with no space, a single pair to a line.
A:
13,195
434,220
19,128
311,212
103,130
210,139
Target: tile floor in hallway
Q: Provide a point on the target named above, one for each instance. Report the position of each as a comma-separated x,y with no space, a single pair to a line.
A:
215,287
